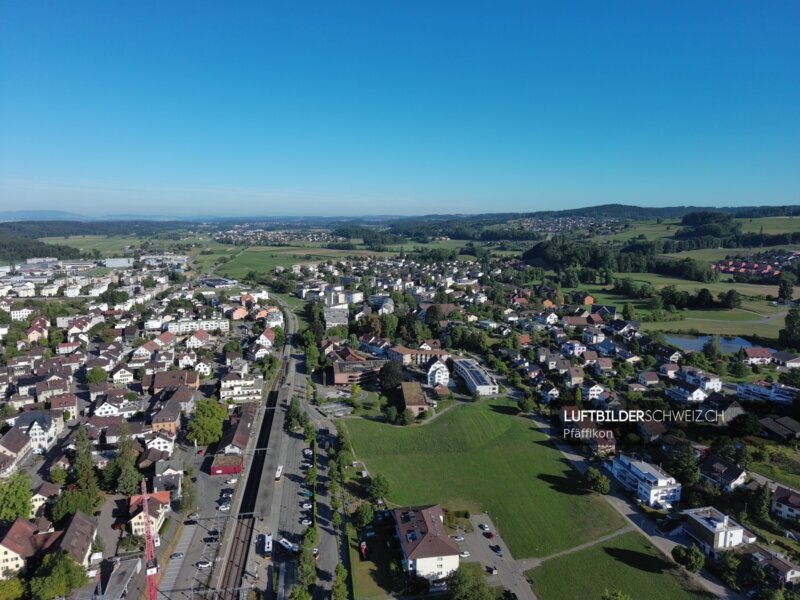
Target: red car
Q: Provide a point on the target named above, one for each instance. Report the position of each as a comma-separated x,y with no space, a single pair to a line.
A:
200,452
488,535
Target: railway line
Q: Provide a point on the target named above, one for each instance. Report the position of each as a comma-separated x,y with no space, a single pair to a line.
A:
230,584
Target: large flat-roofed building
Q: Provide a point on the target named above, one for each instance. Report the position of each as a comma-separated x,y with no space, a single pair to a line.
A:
350,372
714,530
652,485
427,549
476,377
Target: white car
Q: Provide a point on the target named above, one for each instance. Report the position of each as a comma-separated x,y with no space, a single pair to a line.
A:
306,522
484,527
224,507
306,505
232,481
458,538
464,554
204,564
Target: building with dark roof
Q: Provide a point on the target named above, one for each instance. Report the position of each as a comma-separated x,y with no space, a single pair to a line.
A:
427,549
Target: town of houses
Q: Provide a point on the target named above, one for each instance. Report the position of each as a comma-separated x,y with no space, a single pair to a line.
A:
129,355
454,328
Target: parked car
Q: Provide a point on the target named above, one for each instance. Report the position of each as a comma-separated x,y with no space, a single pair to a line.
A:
194,516
488,535
458,538
224,508
232,481
491,570
464,554
306,522
176,555
204,564
498,550
306,505
484,527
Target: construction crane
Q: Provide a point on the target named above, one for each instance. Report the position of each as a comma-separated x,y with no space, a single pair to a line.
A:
151,566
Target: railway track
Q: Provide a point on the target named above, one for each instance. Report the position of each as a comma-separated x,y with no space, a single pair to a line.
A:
230,584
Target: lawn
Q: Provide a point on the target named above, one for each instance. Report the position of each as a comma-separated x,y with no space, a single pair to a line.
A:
482,457
714,254
659,281
783,466
628,563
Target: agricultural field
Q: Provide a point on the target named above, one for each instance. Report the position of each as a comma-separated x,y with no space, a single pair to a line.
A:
122,245
628,563
483,457
771,225
651,230
714,254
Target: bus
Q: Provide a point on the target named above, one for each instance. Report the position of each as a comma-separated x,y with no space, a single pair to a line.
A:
279,473
289,546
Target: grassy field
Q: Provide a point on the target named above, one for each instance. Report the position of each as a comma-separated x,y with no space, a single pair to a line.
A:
771,224
485,458
714,254
651,230
628,563
783,467
115,245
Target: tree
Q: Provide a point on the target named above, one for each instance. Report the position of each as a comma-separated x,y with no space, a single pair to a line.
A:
300,592
596,481
760,502
391,375
391,414
628,312
121,473
683,465
70,502
96,375
309,432
188,493
406,417
85,474
15,497
355,391
690,558
712,348
468,584
746,424
525,404
206,427
363,515
339,591
58,476
311,477
615,595
380,487
12,589
57,576
786,287
790,334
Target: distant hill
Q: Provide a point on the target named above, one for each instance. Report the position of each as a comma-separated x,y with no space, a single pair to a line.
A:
40,215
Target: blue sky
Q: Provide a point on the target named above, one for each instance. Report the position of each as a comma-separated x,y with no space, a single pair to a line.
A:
215,108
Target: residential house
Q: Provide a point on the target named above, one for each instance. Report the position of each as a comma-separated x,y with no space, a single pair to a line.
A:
438,373
669,370
575,377
786,503
158,507
40,427
78,538
649,378
686,393
44,493
426,548
477,379
756,355
722,473
724,408
20,543
790,360
650,431
778,568
14,447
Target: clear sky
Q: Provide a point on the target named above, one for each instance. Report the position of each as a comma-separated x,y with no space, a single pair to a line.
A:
380,107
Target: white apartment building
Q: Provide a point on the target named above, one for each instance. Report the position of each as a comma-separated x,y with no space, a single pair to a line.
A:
652,485
183,326
715,531
476,377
